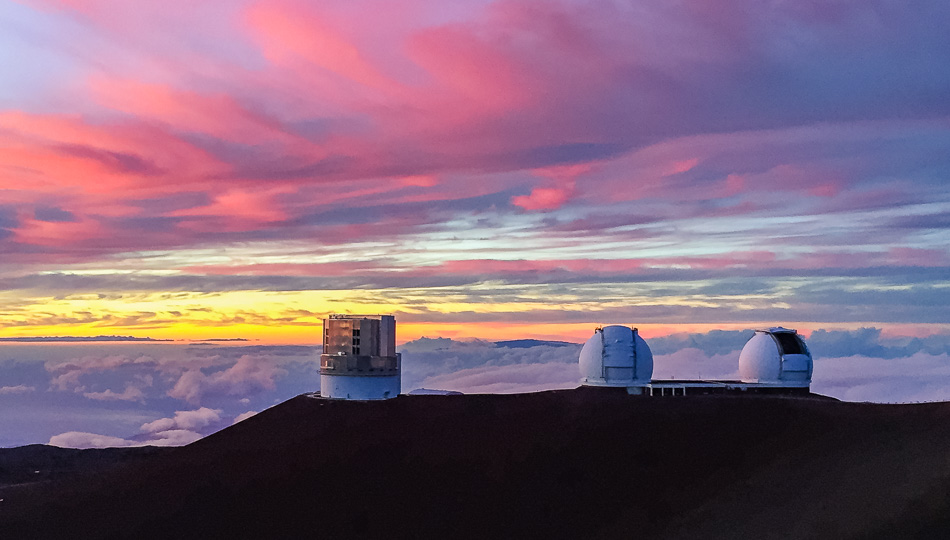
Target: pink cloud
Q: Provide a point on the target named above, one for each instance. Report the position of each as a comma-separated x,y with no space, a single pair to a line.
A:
51,153
219,115
288,32
473,68
682,166
424,180
287,269
53,234
543,199
237,210
735,184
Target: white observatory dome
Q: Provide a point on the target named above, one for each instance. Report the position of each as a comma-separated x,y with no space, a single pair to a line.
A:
776,356
616,356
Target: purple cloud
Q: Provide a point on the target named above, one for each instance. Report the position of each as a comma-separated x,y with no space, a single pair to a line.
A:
249,375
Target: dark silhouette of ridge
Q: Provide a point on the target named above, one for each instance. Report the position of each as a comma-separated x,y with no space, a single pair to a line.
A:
528,343
39,463
584,463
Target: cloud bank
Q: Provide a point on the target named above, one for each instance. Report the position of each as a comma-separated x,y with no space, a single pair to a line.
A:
133,394
860,365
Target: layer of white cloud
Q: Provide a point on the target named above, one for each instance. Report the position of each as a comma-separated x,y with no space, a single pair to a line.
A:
919,376
184,420
80,439
248,375
185,427
130,393
507,379
224,385
172,437
18,389
915,378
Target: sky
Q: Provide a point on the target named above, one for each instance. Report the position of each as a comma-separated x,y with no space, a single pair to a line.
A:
482,169
487,170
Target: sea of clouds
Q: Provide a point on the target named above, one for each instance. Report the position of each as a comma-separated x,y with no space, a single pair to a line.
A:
121,394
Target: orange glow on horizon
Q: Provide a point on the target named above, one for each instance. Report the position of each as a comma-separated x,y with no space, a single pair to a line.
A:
309,334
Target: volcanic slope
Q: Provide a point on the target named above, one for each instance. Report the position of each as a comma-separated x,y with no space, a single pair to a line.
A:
38,463
583,463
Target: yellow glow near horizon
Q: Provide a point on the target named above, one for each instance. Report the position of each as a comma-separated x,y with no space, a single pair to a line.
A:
309,334
295,317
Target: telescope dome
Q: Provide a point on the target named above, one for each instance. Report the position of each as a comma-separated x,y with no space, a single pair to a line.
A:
616,356
776,356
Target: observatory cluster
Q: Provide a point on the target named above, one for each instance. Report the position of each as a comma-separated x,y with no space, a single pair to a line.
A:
774,360
360,362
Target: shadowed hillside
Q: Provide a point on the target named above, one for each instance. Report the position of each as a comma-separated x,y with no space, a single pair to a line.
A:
37,463
573,463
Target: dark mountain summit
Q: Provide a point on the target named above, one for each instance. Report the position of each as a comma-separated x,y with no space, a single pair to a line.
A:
583,463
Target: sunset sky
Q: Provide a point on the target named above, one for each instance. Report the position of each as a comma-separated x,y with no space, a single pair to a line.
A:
495,169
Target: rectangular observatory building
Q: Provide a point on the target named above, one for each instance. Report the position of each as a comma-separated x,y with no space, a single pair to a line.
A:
359,359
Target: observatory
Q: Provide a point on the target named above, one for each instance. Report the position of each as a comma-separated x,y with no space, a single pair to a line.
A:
774,361
359,359
616,356
776,357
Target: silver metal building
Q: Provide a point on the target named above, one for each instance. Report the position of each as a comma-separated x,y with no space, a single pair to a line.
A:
359,359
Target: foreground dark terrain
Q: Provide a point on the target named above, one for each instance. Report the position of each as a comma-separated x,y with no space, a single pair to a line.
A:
582,463
27,466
